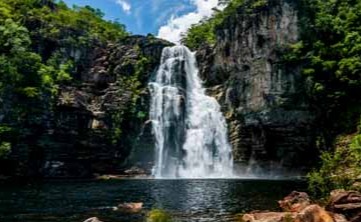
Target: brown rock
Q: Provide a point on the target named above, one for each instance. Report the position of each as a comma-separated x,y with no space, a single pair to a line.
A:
130,207
314,213
269,217
339,218
347,203
295,202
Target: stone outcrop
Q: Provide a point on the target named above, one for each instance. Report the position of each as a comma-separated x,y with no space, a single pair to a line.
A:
347,203
297,207
269,217
262,95
99,123
314,213
295,202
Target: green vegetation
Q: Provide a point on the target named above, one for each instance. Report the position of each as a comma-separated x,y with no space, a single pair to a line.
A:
43,44
340,169
205,31
157,215
330,51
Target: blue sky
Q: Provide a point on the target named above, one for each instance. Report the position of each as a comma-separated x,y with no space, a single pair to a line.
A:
164,18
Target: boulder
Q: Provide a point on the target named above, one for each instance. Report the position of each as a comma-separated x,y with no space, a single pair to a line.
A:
93,219
314,213
269,217
347,203
129,207
295,202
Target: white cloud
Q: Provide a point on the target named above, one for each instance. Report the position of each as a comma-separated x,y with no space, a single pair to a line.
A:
177,25
125,5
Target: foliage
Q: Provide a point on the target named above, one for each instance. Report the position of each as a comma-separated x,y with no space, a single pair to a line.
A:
42,46
205,31
157,215
340,169
5,146
50,20
330,51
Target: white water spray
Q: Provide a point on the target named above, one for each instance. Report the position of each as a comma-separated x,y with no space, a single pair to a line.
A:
189,128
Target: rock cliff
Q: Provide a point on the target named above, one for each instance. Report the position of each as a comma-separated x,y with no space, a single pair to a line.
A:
262,95
99,122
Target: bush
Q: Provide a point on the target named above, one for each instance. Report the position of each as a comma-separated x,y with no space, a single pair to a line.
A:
205,31
157,215
340,169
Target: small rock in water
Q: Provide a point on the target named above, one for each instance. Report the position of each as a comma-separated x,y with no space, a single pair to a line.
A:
129,207
93,219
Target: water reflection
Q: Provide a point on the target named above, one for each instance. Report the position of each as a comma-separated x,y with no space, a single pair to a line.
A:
187,200
211,200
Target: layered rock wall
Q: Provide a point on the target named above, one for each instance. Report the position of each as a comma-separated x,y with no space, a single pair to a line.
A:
262,95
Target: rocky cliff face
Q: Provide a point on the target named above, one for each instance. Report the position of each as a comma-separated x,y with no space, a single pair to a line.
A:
99,122
262,95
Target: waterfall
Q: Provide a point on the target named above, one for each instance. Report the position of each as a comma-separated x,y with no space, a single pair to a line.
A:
189,128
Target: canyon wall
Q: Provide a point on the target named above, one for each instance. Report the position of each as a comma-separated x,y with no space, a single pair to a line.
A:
263,95
99,122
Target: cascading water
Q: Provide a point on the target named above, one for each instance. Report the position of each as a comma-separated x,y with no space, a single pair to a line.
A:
189,128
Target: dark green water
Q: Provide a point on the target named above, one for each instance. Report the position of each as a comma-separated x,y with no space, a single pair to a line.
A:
186,200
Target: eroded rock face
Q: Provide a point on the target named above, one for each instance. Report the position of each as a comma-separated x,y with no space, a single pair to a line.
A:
347,203
100,122
314,213
297,207
262,96
295,202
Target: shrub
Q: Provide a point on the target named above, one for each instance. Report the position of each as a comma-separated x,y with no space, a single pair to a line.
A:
157,215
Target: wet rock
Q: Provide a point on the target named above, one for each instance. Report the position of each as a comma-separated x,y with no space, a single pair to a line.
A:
269,217
295,202
314,213
347,203
93,219
135,171
129,207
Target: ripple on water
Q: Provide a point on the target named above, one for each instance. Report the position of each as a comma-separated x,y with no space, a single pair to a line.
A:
186,200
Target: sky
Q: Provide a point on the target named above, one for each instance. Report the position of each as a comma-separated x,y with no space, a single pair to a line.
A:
166,19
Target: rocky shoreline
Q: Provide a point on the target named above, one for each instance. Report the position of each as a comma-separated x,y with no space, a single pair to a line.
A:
341,206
